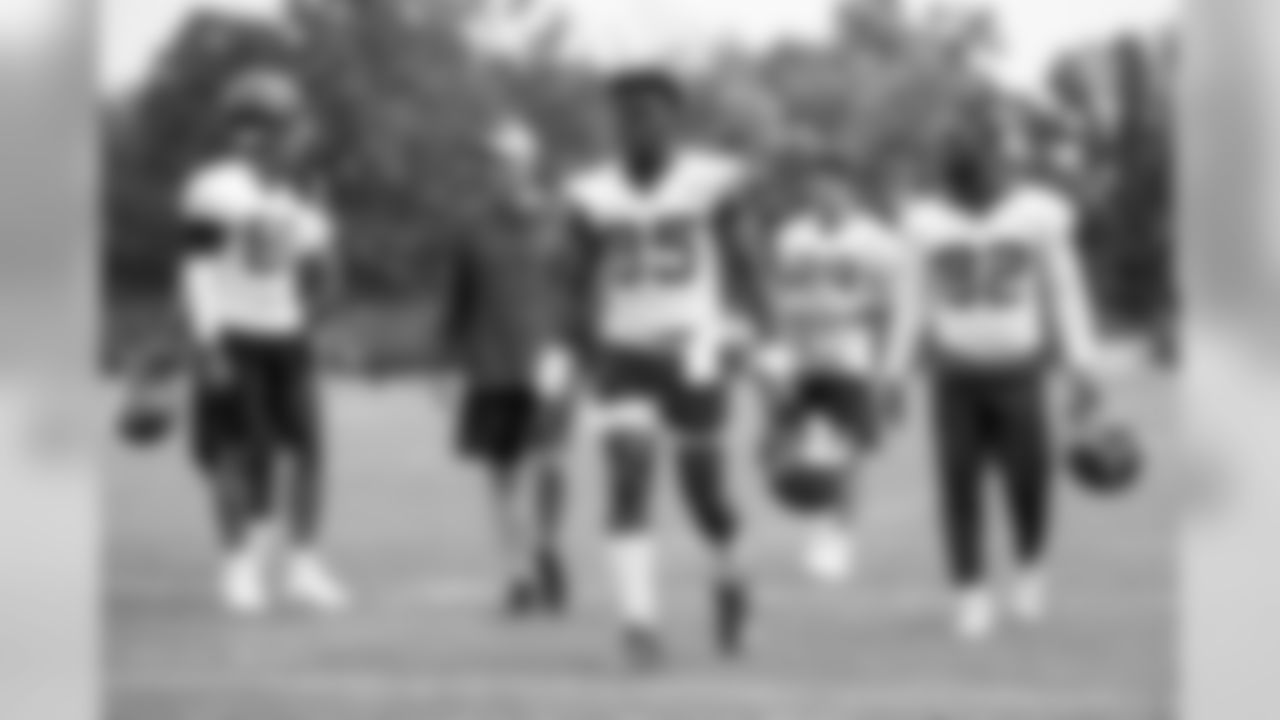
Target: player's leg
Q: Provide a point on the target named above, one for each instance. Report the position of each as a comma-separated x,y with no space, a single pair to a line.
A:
624,417
219,458
696,414
488,434
228,452
1023,453
548,473
844,405
631,462
523,463
960,420
293,408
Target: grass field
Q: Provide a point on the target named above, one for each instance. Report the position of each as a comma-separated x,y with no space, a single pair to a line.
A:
410,530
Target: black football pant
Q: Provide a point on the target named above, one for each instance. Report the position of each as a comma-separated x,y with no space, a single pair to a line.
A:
265,411
991,426
695,414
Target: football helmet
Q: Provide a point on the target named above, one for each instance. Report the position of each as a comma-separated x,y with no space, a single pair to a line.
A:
804,490
145,422
1105,458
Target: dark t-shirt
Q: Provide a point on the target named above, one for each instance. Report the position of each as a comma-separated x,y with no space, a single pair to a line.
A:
498,305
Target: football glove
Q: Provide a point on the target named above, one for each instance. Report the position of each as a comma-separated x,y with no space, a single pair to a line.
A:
146,419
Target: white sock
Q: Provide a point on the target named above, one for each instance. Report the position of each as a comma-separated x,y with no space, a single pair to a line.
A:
1030,594
831,553
976,614
634,565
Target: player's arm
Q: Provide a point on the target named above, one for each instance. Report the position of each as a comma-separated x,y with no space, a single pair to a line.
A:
217,204
745,263
906,318
200,304
1073,313
456,309
774,356
573,262
321,271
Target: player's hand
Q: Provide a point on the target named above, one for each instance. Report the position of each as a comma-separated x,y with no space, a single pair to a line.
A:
1084,401
891,402
213,368
553,372
701,363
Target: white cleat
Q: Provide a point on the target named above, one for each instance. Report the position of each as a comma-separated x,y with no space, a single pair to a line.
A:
244,587
832,557
975,616
310,583
1029,597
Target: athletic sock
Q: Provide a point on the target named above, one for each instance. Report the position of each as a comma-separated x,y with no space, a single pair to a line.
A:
634,565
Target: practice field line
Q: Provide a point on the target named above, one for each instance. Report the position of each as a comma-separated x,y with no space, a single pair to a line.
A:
666,690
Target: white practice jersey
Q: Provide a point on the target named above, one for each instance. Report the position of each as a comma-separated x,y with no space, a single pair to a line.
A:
1001,285
835,288
661,260
252,282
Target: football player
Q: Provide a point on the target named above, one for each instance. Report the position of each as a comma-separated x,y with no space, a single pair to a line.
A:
656,262
251,278
839,274
1001,303
498,309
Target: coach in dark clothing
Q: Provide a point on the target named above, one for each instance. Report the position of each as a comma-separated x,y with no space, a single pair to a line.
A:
497,310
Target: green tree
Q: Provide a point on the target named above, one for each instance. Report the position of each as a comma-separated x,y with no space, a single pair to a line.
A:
1121,93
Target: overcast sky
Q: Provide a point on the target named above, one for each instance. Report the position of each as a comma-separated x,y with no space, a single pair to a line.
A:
133,30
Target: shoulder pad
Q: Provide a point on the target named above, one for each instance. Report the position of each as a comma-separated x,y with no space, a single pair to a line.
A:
1045,206
225,191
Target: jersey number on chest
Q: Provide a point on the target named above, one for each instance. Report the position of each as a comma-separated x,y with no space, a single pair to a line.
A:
983,277
828,293
659,255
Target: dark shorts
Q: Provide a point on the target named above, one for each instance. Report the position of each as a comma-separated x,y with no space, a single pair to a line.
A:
992,418
845,401
500,425
267,402
624,375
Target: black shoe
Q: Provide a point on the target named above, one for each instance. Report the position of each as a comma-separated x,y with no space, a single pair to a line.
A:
643,648
553,583
732,616
521,600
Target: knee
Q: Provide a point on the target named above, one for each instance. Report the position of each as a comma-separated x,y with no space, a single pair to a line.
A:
630,458
707,495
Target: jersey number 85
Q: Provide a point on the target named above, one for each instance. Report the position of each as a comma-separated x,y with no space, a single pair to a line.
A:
659,255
